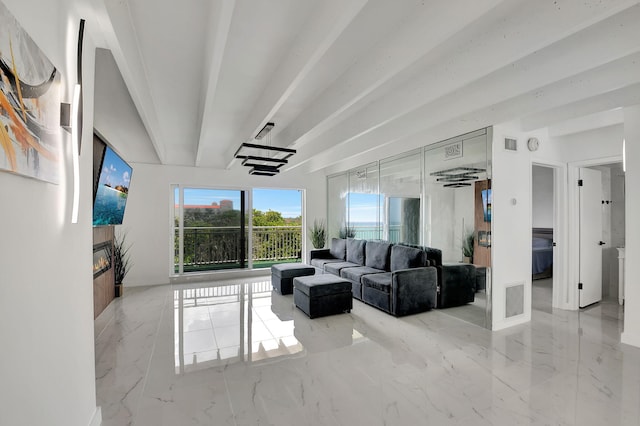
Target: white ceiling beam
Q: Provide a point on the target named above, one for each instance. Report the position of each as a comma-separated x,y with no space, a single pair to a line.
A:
327,23
621,97
430,23
479,108
588,122
410,107
115,115
123,42
512,25
221,17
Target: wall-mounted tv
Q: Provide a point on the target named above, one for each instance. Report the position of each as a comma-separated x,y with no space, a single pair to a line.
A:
486,204
111,187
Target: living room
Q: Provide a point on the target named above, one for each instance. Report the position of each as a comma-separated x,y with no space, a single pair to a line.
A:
344,91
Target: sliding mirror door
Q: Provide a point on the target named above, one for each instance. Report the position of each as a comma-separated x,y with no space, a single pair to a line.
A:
364,203
400,198
337,191
457,179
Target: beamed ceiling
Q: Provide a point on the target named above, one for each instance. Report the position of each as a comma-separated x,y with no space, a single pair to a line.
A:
345,77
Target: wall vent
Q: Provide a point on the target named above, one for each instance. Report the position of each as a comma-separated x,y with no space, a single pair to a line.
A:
514,304
510,144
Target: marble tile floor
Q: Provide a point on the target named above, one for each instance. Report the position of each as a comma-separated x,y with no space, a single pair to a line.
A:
234,353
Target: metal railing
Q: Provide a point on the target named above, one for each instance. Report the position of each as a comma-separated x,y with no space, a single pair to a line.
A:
375,232
209,248
275,243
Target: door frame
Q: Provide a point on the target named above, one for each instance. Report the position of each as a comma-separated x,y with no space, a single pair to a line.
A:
561,297
573,197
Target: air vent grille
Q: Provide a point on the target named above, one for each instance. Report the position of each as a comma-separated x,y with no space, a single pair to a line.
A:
510,144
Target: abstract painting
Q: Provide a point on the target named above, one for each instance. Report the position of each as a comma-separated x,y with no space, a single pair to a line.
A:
30,135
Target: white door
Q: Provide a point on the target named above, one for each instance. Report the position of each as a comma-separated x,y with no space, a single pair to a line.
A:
590,237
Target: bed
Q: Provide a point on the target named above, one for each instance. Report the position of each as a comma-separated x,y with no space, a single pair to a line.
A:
542,253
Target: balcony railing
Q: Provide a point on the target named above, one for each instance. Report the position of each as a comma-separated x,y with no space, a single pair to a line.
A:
375,232
276,243
211,248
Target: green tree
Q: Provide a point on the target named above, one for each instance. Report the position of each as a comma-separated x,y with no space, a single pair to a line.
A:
270,218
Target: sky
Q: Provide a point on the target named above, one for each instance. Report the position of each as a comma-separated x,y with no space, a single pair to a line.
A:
286,201
363,207
114,170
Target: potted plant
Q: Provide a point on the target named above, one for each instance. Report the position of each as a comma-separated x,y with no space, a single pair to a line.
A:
318,233
347,232
121,260
467,246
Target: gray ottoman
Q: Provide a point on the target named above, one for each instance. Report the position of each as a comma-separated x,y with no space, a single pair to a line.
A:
282,275
322,295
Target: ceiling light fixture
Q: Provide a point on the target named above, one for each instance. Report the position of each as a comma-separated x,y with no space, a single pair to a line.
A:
264,160
456,185
266,129
457,177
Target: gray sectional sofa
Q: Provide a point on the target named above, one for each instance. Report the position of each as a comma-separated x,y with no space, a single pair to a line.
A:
394,278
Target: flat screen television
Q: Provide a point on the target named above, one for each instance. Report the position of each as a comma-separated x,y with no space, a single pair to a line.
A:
486,204
111,187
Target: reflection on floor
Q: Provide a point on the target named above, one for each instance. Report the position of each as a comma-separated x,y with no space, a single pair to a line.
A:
475,313
245,322
542,295
234,353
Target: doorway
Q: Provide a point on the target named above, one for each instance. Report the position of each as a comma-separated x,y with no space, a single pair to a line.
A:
612,207
605,279
543,235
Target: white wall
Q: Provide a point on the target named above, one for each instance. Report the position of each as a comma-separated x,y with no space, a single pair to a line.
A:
512,230
511,222
47,369
147,219
601,143
617,209
631,334
542,201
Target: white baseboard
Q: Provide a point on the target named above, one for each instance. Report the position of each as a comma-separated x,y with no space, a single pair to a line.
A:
632,339
96,420
511,321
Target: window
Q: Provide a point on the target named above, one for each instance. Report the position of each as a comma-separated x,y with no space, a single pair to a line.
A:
217,229
210,229
277,226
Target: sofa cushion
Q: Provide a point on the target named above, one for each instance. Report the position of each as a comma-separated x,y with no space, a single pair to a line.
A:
319,263
355,251
377,255
434,255
354,274
403,257
338,248
380,282
335,267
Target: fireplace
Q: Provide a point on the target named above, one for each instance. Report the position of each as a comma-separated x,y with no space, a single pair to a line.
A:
101,258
